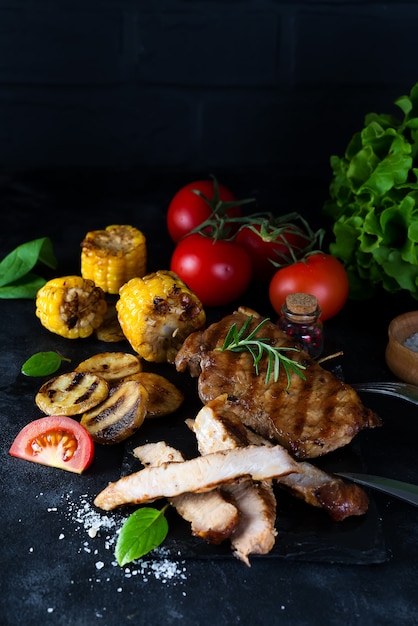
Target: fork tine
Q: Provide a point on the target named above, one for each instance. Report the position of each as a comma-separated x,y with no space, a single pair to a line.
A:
404,391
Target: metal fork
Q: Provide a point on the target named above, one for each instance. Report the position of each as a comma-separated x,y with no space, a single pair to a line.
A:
404,391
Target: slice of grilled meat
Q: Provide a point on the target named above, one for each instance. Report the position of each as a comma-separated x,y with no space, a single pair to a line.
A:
211,517
313,416
200,474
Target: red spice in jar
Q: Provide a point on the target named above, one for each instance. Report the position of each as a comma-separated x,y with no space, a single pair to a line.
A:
300,320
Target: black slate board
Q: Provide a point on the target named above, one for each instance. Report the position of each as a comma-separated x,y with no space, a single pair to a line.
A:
304,532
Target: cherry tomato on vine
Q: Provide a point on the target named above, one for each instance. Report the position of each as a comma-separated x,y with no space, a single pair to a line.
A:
217,271
57,441
320,274
187,209
267,243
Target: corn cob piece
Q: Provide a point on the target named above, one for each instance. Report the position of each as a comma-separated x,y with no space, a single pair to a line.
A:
110,331
71,306
156,313
112,256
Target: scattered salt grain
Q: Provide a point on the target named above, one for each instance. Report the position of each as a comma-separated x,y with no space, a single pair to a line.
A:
103,530
411,342
163,568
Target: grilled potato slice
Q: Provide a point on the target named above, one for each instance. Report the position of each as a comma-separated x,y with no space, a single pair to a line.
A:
71,393
110,331
120,415
112,366
163,396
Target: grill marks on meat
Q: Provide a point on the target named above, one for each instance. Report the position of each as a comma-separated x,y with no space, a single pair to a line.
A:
313,417
200,474
211,517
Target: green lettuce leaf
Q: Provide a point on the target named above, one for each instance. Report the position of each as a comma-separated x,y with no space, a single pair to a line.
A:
373,202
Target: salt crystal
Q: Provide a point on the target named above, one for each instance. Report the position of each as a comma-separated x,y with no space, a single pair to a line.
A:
411,342
84,517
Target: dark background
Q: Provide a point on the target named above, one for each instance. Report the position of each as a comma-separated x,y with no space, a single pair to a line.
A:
106,108
260,93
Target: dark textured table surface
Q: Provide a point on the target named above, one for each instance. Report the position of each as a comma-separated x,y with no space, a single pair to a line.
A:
55,571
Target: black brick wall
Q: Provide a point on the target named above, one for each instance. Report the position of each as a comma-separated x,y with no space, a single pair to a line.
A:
197,85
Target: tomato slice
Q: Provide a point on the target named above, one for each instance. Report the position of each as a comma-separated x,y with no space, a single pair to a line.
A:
57,441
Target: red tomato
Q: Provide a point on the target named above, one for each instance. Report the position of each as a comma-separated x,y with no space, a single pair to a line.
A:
187,210
218,272
57,441
321,275
264,247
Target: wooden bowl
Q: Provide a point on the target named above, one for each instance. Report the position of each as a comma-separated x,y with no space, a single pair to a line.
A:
402,361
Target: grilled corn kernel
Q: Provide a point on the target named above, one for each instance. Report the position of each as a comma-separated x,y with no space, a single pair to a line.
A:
113,256
71,306
156,313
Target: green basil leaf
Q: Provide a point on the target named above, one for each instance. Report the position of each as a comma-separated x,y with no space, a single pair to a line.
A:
143,531
24,258
24,288
42,364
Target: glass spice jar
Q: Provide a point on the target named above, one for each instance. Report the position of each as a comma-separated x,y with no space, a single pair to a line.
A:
300,320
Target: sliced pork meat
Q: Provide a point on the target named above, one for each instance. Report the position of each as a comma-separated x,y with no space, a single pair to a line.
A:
218,428
255,532
313,416
154,454
318,488
200,474
216,424
211,517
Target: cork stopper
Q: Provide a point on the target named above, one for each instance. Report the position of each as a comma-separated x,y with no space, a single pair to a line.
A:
301,303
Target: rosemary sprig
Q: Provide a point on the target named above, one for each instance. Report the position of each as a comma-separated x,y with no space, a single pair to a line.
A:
237,341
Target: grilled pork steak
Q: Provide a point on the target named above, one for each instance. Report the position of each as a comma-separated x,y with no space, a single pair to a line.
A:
211,517
312,417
